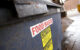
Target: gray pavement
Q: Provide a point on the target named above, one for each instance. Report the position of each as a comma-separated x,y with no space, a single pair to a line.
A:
72,34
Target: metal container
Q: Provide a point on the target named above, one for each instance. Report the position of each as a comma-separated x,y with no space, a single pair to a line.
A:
39,32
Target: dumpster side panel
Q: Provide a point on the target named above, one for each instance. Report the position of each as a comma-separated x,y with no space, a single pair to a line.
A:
18,36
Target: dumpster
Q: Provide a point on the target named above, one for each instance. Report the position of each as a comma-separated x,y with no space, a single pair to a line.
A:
35,32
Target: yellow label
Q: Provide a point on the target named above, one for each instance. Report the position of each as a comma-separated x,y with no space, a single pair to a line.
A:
49,46
47,39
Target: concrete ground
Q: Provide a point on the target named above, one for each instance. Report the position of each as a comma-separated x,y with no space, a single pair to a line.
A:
72,34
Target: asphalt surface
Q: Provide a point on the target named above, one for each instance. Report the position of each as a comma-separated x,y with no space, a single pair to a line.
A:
72,34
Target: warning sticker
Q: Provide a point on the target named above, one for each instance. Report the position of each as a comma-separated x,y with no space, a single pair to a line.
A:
36,29
47,39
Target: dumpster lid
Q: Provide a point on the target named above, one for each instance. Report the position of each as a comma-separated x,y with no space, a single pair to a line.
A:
52,4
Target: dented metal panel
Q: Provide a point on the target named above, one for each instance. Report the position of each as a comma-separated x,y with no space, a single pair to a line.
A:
29,1
33,9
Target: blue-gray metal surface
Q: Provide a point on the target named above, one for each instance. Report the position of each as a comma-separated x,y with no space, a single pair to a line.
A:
18,36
